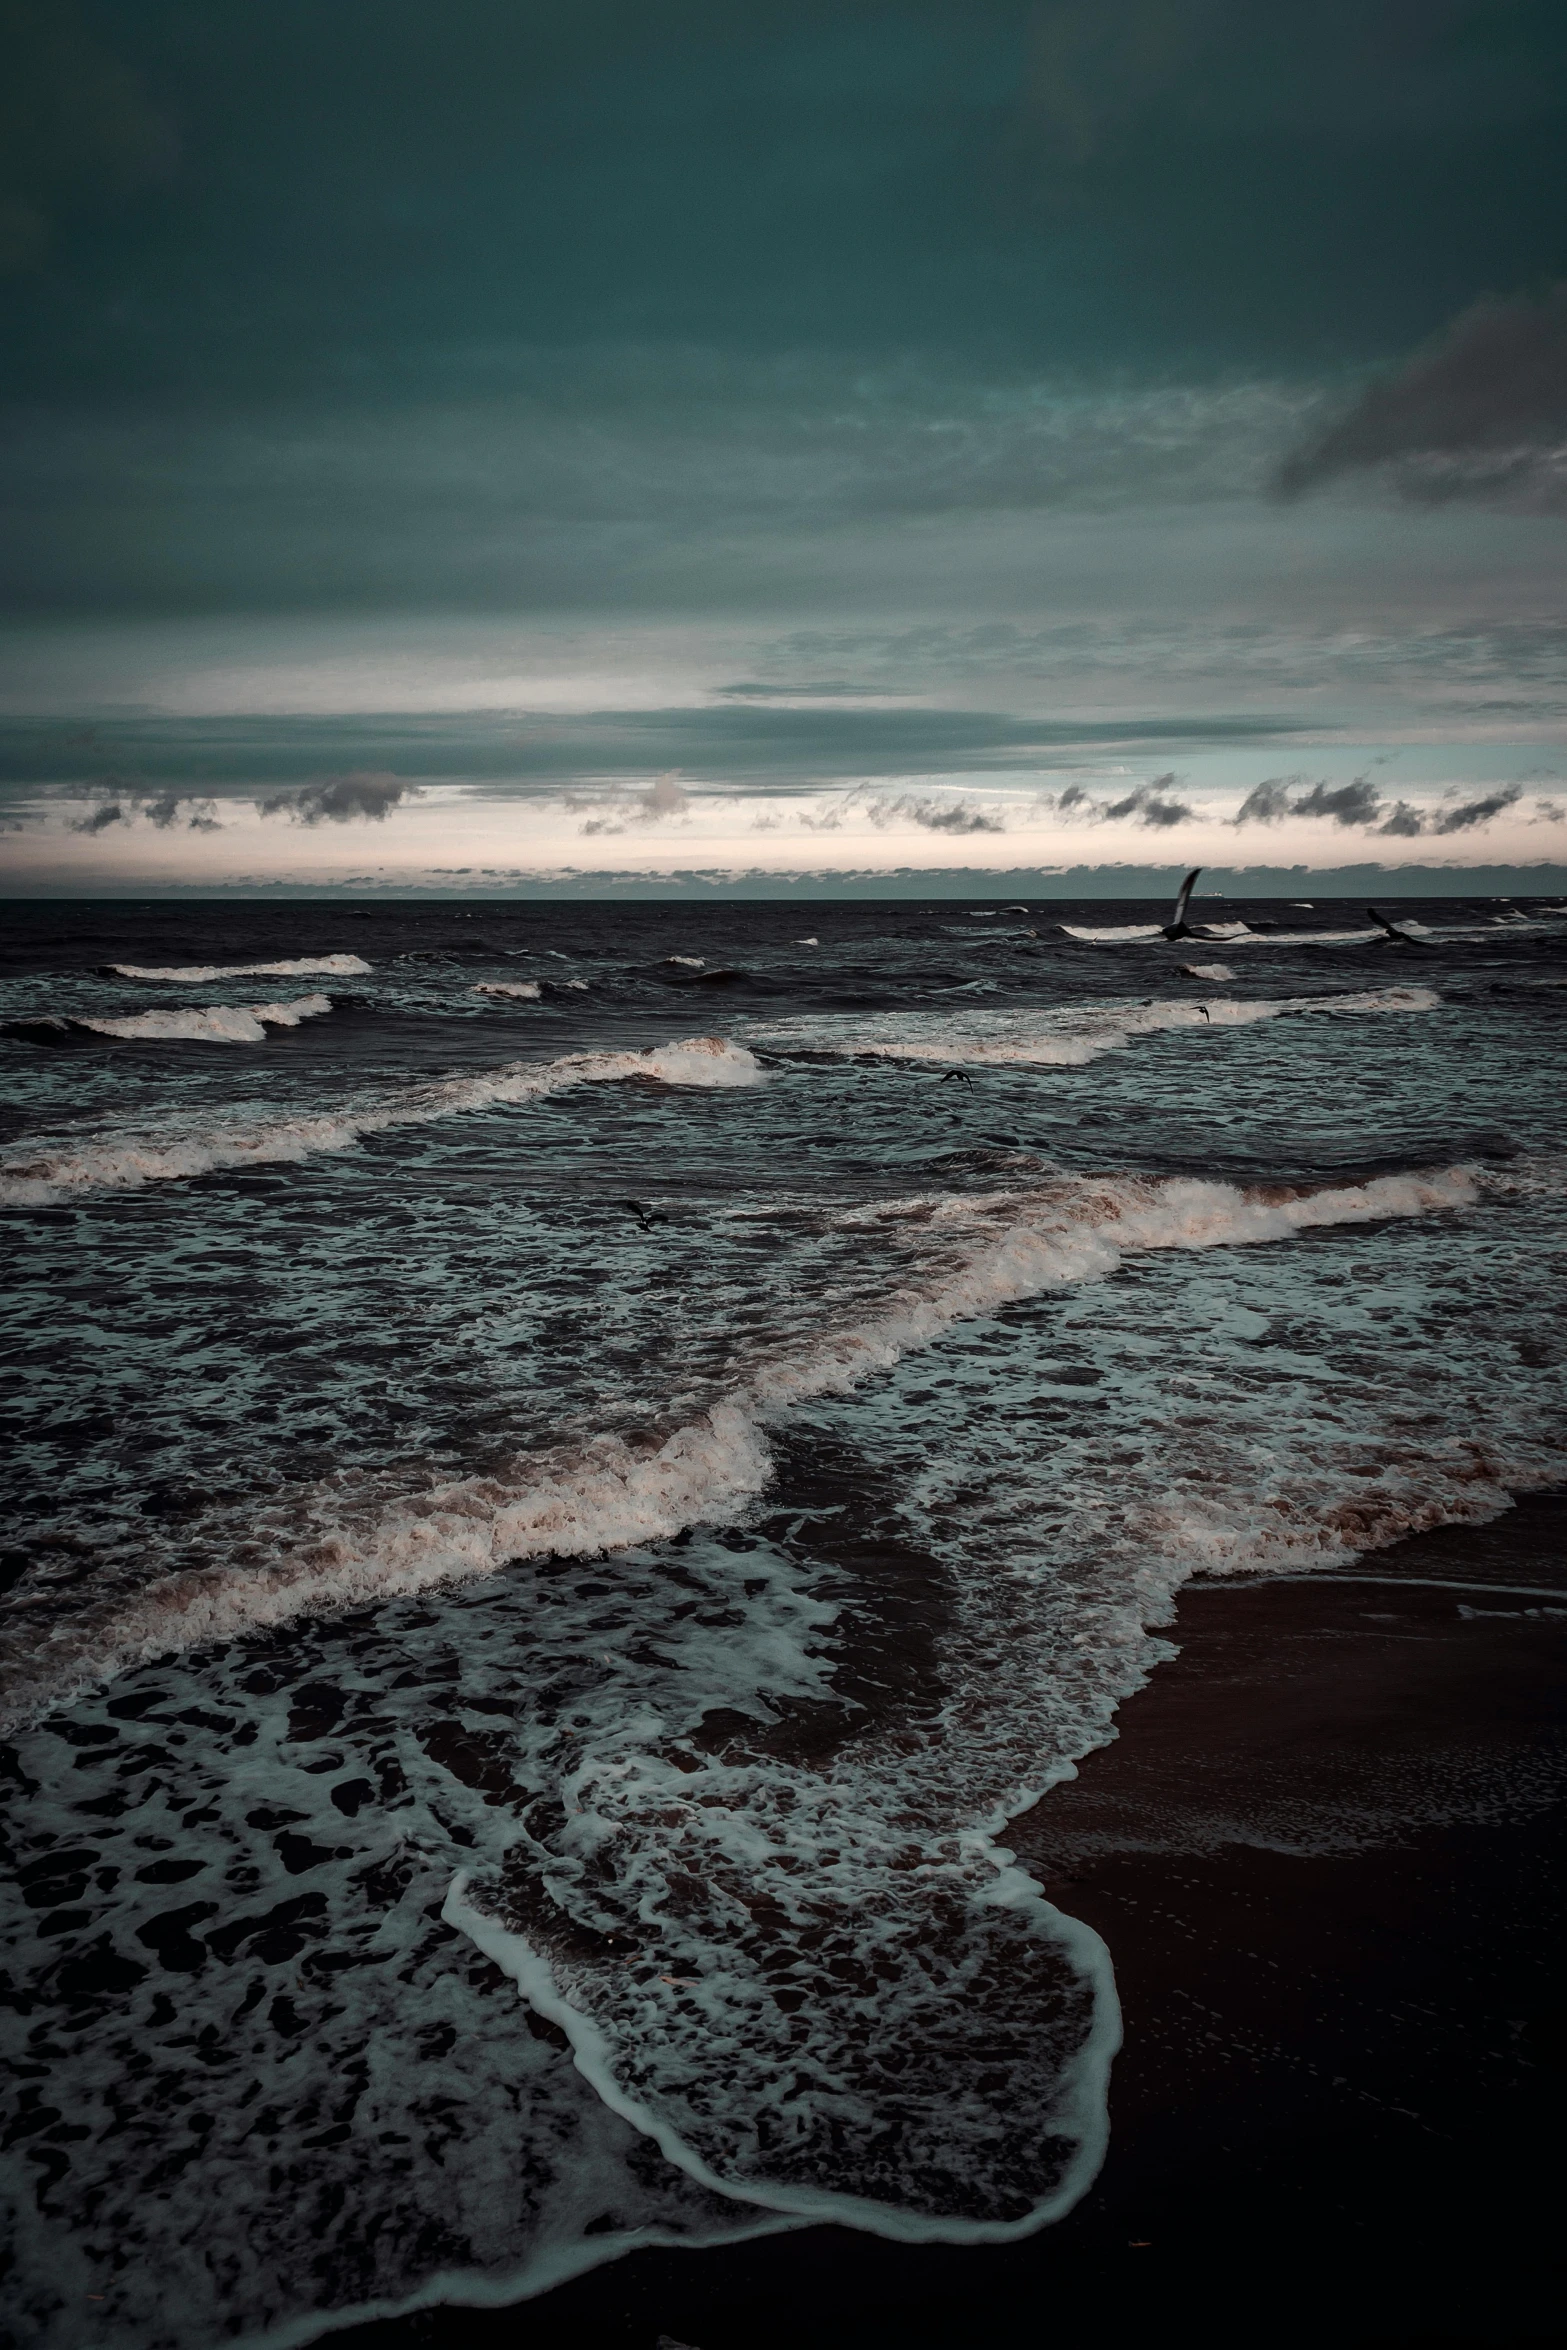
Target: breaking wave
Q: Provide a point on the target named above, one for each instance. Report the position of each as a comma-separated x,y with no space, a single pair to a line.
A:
975,1255
199,1024
300,967
1064,1037
30,1177
1235,934
1117,934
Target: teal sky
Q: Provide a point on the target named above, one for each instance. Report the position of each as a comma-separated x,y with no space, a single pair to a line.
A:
936,404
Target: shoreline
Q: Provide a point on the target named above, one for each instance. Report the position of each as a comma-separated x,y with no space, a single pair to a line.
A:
1325,1849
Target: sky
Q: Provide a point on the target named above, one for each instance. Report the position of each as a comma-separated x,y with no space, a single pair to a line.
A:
721,444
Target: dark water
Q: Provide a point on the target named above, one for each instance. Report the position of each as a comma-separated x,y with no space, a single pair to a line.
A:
571,1469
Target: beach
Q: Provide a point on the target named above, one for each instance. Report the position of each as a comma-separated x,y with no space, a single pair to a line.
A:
1326,1851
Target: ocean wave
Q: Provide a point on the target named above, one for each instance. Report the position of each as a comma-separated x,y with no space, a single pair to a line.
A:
31,1177
1242,934
1068,1036
732,1814
208,1023
770,1957
1117,934
528,990
300,967
982,1254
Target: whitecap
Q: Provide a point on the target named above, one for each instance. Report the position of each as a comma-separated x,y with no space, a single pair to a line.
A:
302,966
527,990
1116,936
577,1501
209,1023
32,1177
1067,1036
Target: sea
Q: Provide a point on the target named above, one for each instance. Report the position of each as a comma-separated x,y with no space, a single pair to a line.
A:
571,1467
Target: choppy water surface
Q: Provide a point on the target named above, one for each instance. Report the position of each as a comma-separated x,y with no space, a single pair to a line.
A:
571,1469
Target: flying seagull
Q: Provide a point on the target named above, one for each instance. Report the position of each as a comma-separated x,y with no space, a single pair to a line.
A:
646,1217
1178,926
1400,937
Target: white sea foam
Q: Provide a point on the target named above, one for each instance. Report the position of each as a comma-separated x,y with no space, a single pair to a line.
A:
692,962
1235,934
805,1966
1206,971
1070,2120
1064,1036
882,1863
209,1023
301,967
32,1177
1117,935
339,967
527,989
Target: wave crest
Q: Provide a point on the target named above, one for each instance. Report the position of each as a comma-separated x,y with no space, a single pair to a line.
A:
299,967
30,1178
983,1254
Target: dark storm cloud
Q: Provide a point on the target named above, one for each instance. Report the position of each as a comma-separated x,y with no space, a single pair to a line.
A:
1356,802
1473,812
165,811
500,303
1096,67
933,815
1149,803
956,820
1266,802
1483,409
101,818
169,809
76,128
360,797
761,748
614,475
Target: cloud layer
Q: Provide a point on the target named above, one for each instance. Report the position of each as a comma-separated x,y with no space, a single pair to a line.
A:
1358,805
356,798
1483,411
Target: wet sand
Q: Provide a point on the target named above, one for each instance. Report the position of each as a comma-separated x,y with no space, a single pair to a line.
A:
1327,1854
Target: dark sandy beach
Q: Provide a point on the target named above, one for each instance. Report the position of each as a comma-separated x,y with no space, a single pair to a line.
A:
1326,1852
